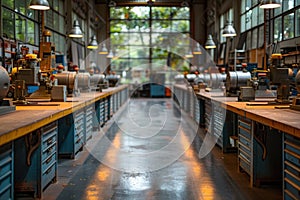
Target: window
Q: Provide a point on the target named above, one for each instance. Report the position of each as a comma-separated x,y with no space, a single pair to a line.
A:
141,35
55,22
283,20
254,39
288,26
287,5
21,23
8,23
277,29
297,23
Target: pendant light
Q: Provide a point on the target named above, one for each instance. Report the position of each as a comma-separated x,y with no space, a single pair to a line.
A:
93,43
103,50
39,5
229,30
76,31
269,4
197,49
210,44
111,54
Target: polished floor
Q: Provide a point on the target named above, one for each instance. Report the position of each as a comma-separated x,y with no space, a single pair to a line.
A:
150,151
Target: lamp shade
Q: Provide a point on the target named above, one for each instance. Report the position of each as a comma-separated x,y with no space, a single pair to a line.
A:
197,49
111,54
269,4
229,30
39,5
103,50
189,54
93,43
76,30
210,44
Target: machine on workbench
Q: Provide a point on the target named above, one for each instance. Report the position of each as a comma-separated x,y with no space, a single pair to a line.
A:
279,76
296,100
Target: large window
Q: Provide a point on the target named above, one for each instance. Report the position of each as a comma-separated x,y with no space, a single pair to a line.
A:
19,22
284,21
22,24
142,36
297,23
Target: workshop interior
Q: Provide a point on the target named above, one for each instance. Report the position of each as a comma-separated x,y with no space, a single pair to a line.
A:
124,77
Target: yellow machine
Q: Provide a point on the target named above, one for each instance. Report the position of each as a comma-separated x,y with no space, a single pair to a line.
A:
46,53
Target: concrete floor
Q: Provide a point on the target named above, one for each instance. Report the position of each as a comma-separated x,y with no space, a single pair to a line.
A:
150,151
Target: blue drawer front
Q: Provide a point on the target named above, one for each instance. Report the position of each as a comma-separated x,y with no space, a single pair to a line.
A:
6,171
49,175
290,190
292,157
245,166
244,123
291,167
5,165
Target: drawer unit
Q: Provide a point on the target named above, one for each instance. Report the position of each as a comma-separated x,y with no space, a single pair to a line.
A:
115,107
124,95
208,115
89,115
119,99
197,110
202,112
111,104
36,170
291,166
71,134
191,106
79,132
218,118
186,101
6,171
106,109
102,113
245,139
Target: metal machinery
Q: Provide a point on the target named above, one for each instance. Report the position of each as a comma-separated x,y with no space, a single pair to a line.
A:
191,78
296,101
113,80
179,79
46,53
98,82
216,82
84,81
235,80
35,72
202,80
279,76
70,80
5,106
257,87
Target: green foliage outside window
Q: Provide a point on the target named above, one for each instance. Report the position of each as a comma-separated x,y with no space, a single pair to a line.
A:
144,34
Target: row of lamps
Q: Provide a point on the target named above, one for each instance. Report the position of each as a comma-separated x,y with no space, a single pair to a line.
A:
76,31
229,30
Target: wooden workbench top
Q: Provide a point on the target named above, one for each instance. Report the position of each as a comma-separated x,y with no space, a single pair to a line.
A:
285,120
29,118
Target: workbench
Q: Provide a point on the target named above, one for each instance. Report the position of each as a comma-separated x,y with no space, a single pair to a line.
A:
268,139
34,137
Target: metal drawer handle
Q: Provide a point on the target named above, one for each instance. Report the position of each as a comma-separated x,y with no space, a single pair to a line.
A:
49,141
48,160
49,150
48,171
